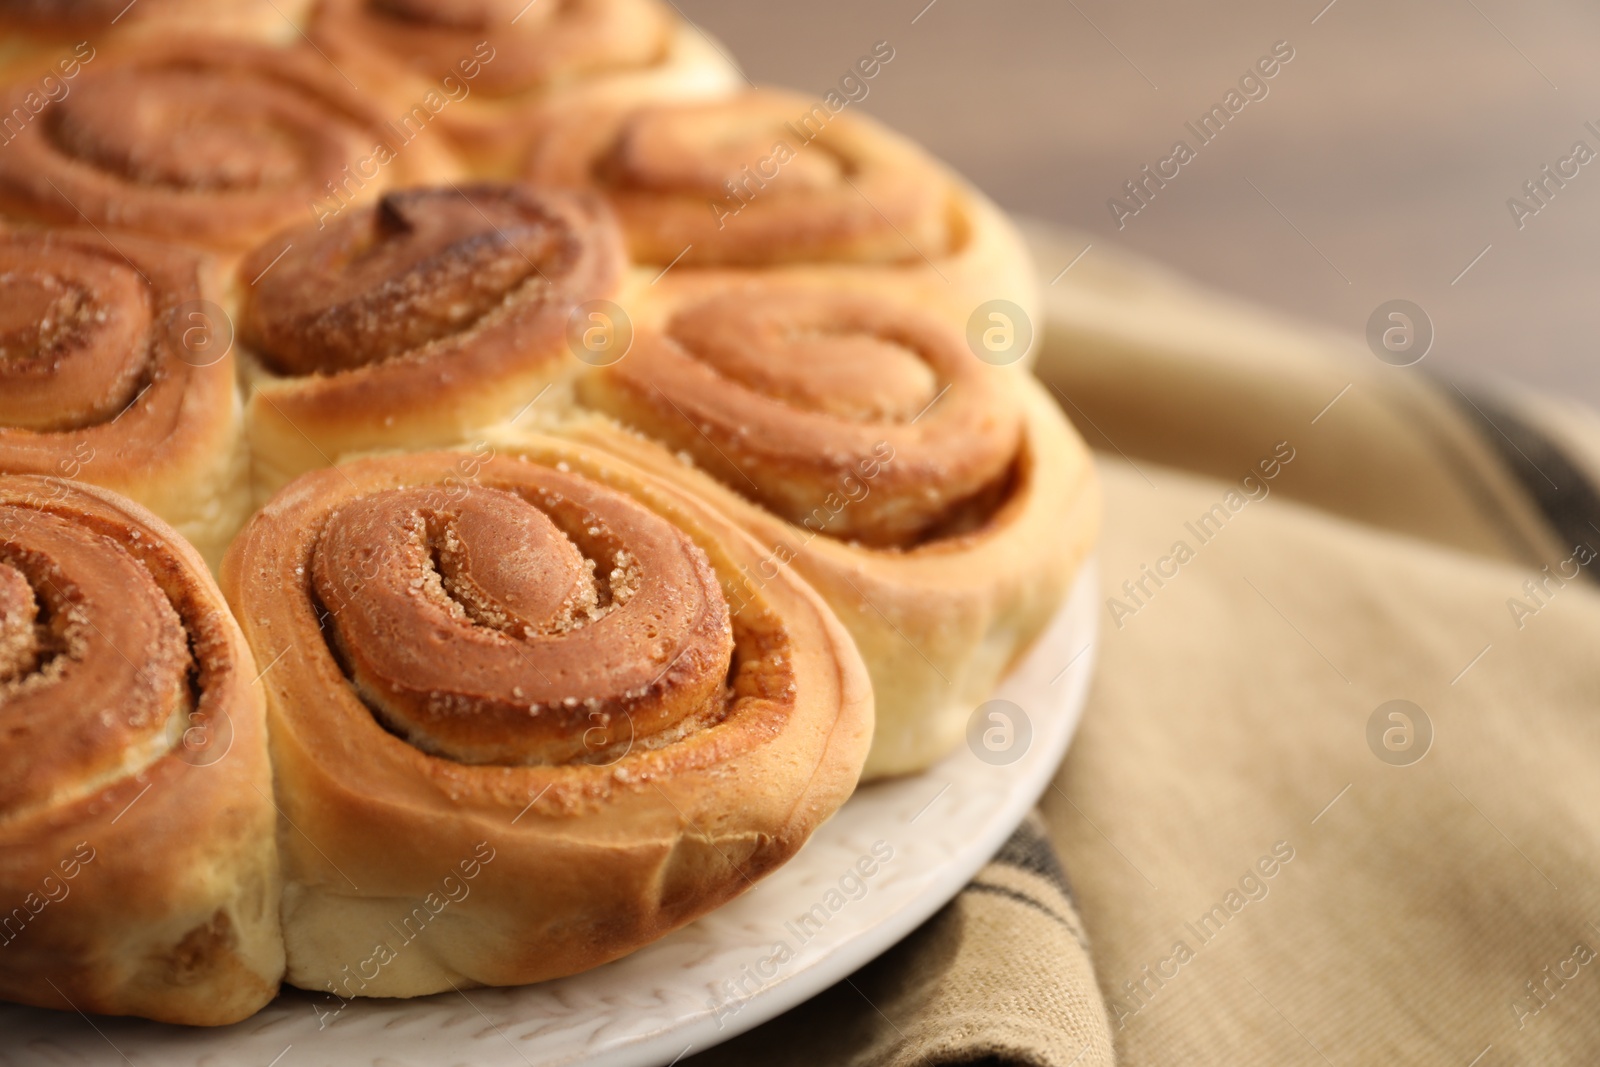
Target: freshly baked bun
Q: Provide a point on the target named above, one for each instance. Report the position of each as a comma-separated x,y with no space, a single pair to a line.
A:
208,141
116,369
940,505
775,181
481,71
784,395
516,725
417,320
137,852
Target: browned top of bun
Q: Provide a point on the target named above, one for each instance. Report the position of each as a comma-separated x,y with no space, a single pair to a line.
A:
853,416
113,655
761,178
451,267
429,293
523,624
113,354
461,615
210,141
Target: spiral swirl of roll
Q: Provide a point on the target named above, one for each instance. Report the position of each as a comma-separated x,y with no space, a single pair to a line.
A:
213,142
76,332
135,741
538,624
116,367
855,417
759,179
460,277
532,651
93,647
511,611
531,47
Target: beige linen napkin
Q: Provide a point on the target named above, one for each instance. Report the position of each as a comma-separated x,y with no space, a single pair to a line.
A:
1336,796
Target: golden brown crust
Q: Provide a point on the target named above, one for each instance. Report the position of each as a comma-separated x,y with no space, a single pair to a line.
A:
116,369
774,185
209,141
417,320
609,809
551,609
136,825
482,72
792,396
760,179
939,618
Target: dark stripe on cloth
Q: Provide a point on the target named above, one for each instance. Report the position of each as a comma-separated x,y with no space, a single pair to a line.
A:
1037,905
1030,850
1569,502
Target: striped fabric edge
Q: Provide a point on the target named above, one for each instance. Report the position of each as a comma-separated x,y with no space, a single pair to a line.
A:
1046,889
1566,498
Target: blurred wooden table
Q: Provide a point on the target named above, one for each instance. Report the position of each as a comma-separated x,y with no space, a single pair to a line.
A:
1378,165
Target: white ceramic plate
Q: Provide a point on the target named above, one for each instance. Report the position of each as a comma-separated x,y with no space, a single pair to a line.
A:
895,854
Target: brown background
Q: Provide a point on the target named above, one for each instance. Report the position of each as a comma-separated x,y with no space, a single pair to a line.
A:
1392,141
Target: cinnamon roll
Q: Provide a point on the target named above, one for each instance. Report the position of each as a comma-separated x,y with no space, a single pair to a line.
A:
516,726
116,369
483,71
209,141
138,870
939,504
776,181
417,320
